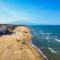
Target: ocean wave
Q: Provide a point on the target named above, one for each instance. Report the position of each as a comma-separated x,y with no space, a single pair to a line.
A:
49,41
48,33
57,40
47,38
52,50
42,32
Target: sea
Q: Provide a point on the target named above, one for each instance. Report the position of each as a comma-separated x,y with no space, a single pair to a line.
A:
47,39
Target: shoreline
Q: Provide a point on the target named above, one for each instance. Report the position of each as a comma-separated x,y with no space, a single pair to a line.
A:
38,51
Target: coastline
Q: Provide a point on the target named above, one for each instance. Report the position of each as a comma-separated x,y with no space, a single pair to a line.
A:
38,51
11,47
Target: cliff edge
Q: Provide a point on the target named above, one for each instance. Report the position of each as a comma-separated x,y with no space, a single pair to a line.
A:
16,46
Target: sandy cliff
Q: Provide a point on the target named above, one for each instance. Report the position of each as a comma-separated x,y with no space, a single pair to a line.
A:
16,47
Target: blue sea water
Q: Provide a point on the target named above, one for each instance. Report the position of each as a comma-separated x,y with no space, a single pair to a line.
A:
47,38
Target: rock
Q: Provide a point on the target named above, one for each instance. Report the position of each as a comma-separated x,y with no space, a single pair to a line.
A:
22,33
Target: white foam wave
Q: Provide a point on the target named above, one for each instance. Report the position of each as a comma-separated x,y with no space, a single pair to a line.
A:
48,41
48,33
52,50
47,38
42,32
57,40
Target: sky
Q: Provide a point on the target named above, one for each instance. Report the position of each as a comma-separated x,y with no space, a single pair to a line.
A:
45,12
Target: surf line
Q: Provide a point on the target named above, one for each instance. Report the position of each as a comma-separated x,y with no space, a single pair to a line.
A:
38,50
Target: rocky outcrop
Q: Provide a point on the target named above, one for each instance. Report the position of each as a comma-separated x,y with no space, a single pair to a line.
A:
22,33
